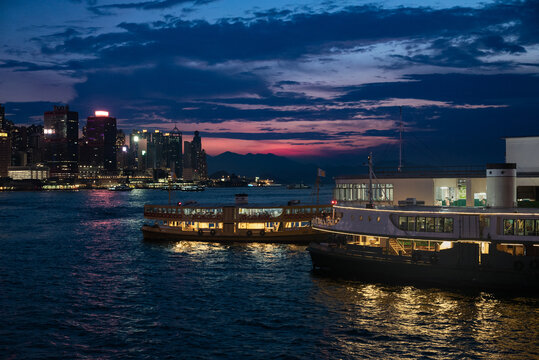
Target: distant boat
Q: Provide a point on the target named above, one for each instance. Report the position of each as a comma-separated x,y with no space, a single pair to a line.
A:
192,188
298,186
121,187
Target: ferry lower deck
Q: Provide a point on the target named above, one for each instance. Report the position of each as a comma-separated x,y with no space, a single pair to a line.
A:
299,236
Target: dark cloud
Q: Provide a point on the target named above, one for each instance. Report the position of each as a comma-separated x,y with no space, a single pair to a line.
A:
26,66
286,82
499,89
145,5
167,82
272,35
464,52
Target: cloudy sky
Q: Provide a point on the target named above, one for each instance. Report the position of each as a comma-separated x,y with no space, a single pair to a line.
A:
309,79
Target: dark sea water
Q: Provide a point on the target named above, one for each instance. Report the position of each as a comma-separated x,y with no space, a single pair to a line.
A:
78,281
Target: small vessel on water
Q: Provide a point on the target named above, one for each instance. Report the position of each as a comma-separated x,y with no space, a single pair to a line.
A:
120,187
239,222
493,247
192,188
298,186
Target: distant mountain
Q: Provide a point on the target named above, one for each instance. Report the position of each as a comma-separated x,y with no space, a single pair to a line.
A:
281,169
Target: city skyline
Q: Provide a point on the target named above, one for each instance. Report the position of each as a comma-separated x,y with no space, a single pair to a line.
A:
316,79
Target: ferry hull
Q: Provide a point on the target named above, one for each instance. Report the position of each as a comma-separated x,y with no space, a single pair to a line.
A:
394,270
304,237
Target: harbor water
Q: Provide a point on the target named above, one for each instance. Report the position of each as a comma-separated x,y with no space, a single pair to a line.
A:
78,281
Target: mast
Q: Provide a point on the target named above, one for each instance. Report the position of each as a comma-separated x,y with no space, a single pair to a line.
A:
370,181
169,186
399,169
317,187
170,181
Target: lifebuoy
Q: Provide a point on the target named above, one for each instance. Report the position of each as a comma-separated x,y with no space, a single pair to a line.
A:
518,265
433,259
212,232
534,264
262,232
249,233
200,232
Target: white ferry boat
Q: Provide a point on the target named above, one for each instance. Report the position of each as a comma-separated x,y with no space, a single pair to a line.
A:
484,248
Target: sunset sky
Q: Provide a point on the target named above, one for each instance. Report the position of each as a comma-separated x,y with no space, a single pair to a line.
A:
319,80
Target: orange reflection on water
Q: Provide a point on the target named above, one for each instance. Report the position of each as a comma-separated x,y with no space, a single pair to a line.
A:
428,322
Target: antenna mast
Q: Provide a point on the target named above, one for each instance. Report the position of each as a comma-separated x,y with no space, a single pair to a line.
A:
399,169
371,202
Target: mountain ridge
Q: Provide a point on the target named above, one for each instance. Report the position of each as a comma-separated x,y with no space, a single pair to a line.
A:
279,168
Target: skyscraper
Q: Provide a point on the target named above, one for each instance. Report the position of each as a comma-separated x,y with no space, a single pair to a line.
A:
5,152
173,151
35,144
194,159
2,118
155,156
196,149
61,141
187,171
100,141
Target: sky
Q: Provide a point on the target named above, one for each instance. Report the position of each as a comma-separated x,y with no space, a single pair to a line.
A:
321,81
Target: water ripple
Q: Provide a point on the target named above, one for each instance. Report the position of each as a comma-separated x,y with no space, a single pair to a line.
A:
78,281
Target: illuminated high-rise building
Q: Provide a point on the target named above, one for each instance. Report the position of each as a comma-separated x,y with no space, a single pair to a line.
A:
61,141
3,125
5,152
173,151
100,141
155,156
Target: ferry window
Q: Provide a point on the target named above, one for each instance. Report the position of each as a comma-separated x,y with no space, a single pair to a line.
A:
519,227
430,224
403,223
411,223
439,224
508,228
530,228
448,225
421,224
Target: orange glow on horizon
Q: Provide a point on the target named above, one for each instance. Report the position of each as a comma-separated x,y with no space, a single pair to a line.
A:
287,148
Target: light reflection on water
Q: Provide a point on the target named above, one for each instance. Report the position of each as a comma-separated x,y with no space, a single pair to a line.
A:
78,281
404,320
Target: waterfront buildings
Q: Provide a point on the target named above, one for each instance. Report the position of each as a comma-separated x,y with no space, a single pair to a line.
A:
102,152
447,186
61,141
33,172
